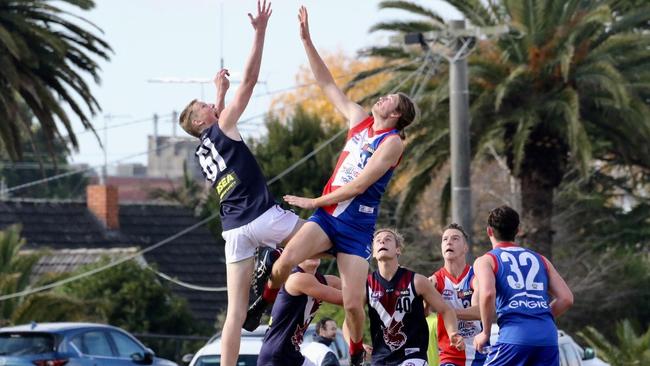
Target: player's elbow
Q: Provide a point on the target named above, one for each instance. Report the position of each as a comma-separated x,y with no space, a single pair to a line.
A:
566,299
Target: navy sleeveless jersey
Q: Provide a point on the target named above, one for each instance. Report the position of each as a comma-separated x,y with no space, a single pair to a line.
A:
398,328
522,301
235,175
290,317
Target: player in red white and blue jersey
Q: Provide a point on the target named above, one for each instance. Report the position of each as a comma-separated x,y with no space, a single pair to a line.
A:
395,297
346,212
455,281
528,292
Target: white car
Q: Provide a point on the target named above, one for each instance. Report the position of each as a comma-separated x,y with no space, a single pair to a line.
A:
571,354
251,344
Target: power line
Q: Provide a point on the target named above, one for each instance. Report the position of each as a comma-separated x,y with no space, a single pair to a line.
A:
83,170
158,244
166,240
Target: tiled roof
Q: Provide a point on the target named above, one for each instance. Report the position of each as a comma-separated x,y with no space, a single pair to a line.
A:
194,258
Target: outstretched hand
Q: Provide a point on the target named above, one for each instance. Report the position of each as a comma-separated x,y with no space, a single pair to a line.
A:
303,18
221,81
263,14
302,202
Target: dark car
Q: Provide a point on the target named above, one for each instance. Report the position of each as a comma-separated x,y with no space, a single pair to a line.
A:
73,344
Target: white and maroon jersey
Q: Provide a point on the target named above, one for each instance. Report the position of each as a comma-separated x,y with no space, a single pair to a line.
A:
457,293
362,142
398,327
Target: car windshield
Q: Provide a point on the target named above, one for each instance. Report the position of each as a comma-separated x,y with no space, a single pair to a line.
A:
18,344
243,360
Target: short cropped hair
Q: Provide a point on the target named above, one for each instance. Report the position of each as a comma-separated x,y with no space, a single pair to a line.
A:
456,226
399,239
408,112
320,325
505,223
186,118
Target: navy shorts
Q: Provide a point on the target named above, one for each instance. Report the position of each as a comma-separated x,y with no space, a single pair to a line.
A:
507,354
346,237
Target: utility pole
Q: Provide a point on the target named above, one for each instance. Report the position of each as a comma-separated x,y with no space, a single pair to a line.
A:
103,177
454,44
461,193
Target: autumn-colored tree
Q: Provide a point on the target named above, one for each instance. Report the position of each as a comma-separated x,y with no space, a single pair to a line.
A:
313,102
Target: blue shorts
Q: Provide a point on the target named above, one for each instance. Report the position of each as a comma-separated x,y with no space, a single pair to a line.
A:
346,237
507,354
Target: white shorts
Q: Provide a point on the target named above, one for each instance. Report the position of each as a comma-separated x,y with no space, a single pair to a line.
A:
414,362
270,228
308,362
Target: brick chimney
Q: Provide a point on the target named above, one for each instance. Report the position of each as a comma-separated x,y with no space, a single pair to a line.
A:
102,201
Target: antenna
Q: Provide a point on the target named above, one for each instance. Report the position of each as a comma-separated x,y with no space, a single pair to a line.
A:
221,34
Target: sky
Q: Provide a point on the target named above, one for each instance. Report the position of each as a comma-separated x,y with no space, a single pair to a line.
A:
186,39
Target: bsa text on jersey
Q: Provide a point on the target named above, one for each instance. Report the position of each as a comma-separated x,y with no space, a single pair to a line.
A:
522,301
290,318
457,293
398,328
362,142
234,173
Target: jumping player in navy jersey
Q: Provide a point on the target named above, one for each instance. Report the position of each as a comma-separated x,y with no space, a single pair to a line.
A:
249,215
346,212
398,327
293,310
529,293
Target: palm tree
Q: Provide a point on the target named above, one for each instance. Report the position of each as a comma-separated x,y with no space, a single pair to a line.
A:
15,273
42,58
630,348
569,84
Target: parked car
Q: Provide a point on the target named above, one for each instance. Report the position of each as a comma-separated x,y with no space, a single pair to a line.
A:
249,349
251,344
571,354
73,344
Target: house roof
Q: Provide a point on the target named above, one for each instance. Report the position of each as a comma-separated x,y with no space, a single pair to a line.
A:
194,258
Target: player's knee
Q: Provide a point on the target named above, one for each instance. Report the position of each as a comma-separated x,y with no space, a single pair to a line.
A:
353,304
236,314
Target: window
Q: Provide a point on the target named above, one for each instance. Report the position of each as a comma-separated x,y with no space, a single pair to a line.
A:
93,343
18,344
125,345
243,360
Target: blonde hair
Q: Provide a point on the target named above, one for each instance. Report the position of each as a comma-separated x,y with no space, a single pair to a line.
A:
399,239
186,118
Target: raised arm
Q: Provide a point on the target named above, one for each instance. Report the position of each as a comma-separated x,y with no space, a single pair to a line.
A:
231,114
307,284
559,290
353,112
386,156
425,288
222,84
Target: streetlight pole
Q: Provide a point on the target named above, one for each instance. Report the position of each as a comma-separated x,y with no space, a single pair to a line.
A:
454,44
461,194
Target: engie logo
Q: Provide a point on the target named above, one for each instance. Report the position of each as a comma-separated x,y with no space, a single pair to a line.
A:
226,184
529,304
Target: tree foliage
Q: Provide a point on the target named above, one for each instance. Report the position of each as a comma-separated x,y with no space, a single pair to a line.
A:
44,55
15,276
628,347
568,85
287,142
131,297
312,100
